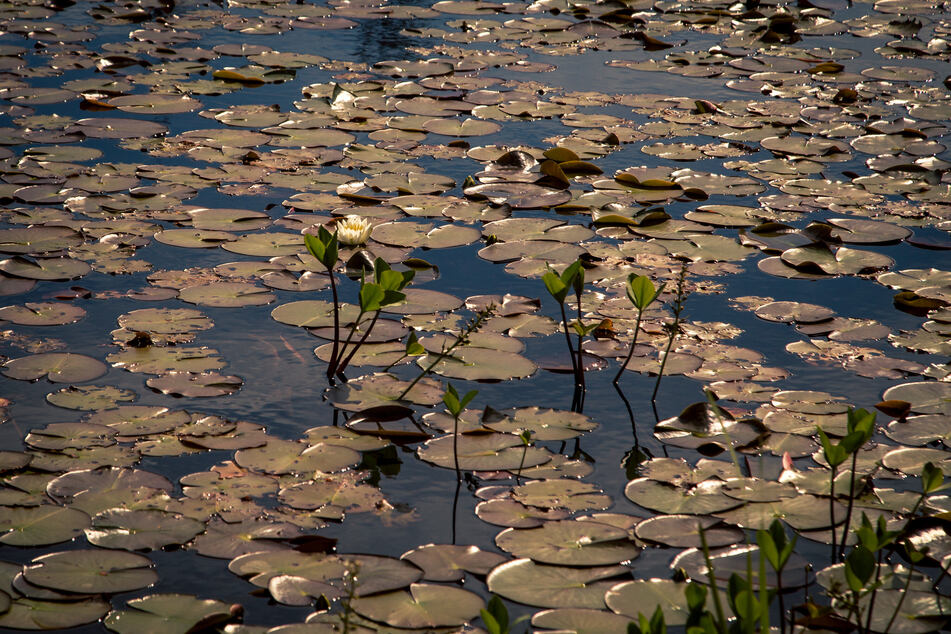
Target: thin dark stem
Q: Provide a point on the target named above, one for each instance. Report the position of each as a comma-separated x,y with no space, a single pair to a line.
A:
782,605
848,512
521,463
366,333
455,446
571,350
343,348
871,600
630,353
901,597
663,362
832,512
455,505
630,412
674,328
580,364
335,351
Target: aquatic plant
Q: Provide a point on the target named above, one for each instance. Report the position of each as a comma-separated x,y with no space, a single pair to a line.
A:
455,405
642,293
559,285
384,290
673,327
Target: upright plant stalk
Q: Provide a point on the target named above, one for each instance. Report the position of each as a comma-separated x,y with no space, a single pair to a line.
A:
861,427
674,327
580,331
362,340
558,285
835,471
335,350
640,290
526,437
717,605
571,352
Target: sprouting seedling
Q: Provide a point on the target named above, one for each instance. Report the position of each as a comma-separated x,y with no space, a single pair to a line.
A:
861,423
559,285
642,293
526,438
455,405
674,327
324,248
461,339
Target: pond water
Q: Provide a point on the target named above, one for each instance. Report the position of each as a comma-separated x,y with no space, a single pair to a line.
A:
786,163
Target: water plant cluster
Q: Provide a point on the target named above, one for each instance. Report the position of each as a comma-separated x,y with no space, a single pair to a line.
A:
665,344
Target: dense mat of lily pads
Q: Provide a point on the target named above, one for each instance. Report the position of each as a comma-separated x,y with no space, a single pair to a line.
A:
146,165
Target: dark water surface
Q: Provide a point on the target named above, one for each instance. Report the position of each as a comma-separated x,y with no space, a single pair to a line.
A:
284,384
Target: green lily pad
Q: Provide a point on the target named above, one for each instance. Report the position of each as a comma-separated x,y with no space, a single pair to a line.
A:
226,294
510,513
313,313
483,452
153,360
926,397
481,364
383,389
284,456
422,606
450,562
581,621
703,499
165,321
569,543
40,525
59,367
643,596
545,424
89,397
168,614
683,531
546,586
333,497
567,494
35,614
140,420
195,384
144,529
91,571
42,314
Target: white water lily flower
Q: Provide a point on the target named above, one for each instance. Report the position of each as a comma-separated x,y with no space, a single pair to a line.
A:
353,230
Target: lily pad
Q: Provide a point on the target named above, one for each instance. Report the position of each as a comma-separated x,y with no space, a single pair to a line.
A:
569,543
168,614
546,586
423,606
59,367
483,452
91,571
40,525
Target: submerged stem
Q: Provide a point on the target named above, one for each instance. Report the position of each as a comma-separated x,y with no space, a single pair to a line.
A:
335,351
571,350
366,333
630,353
